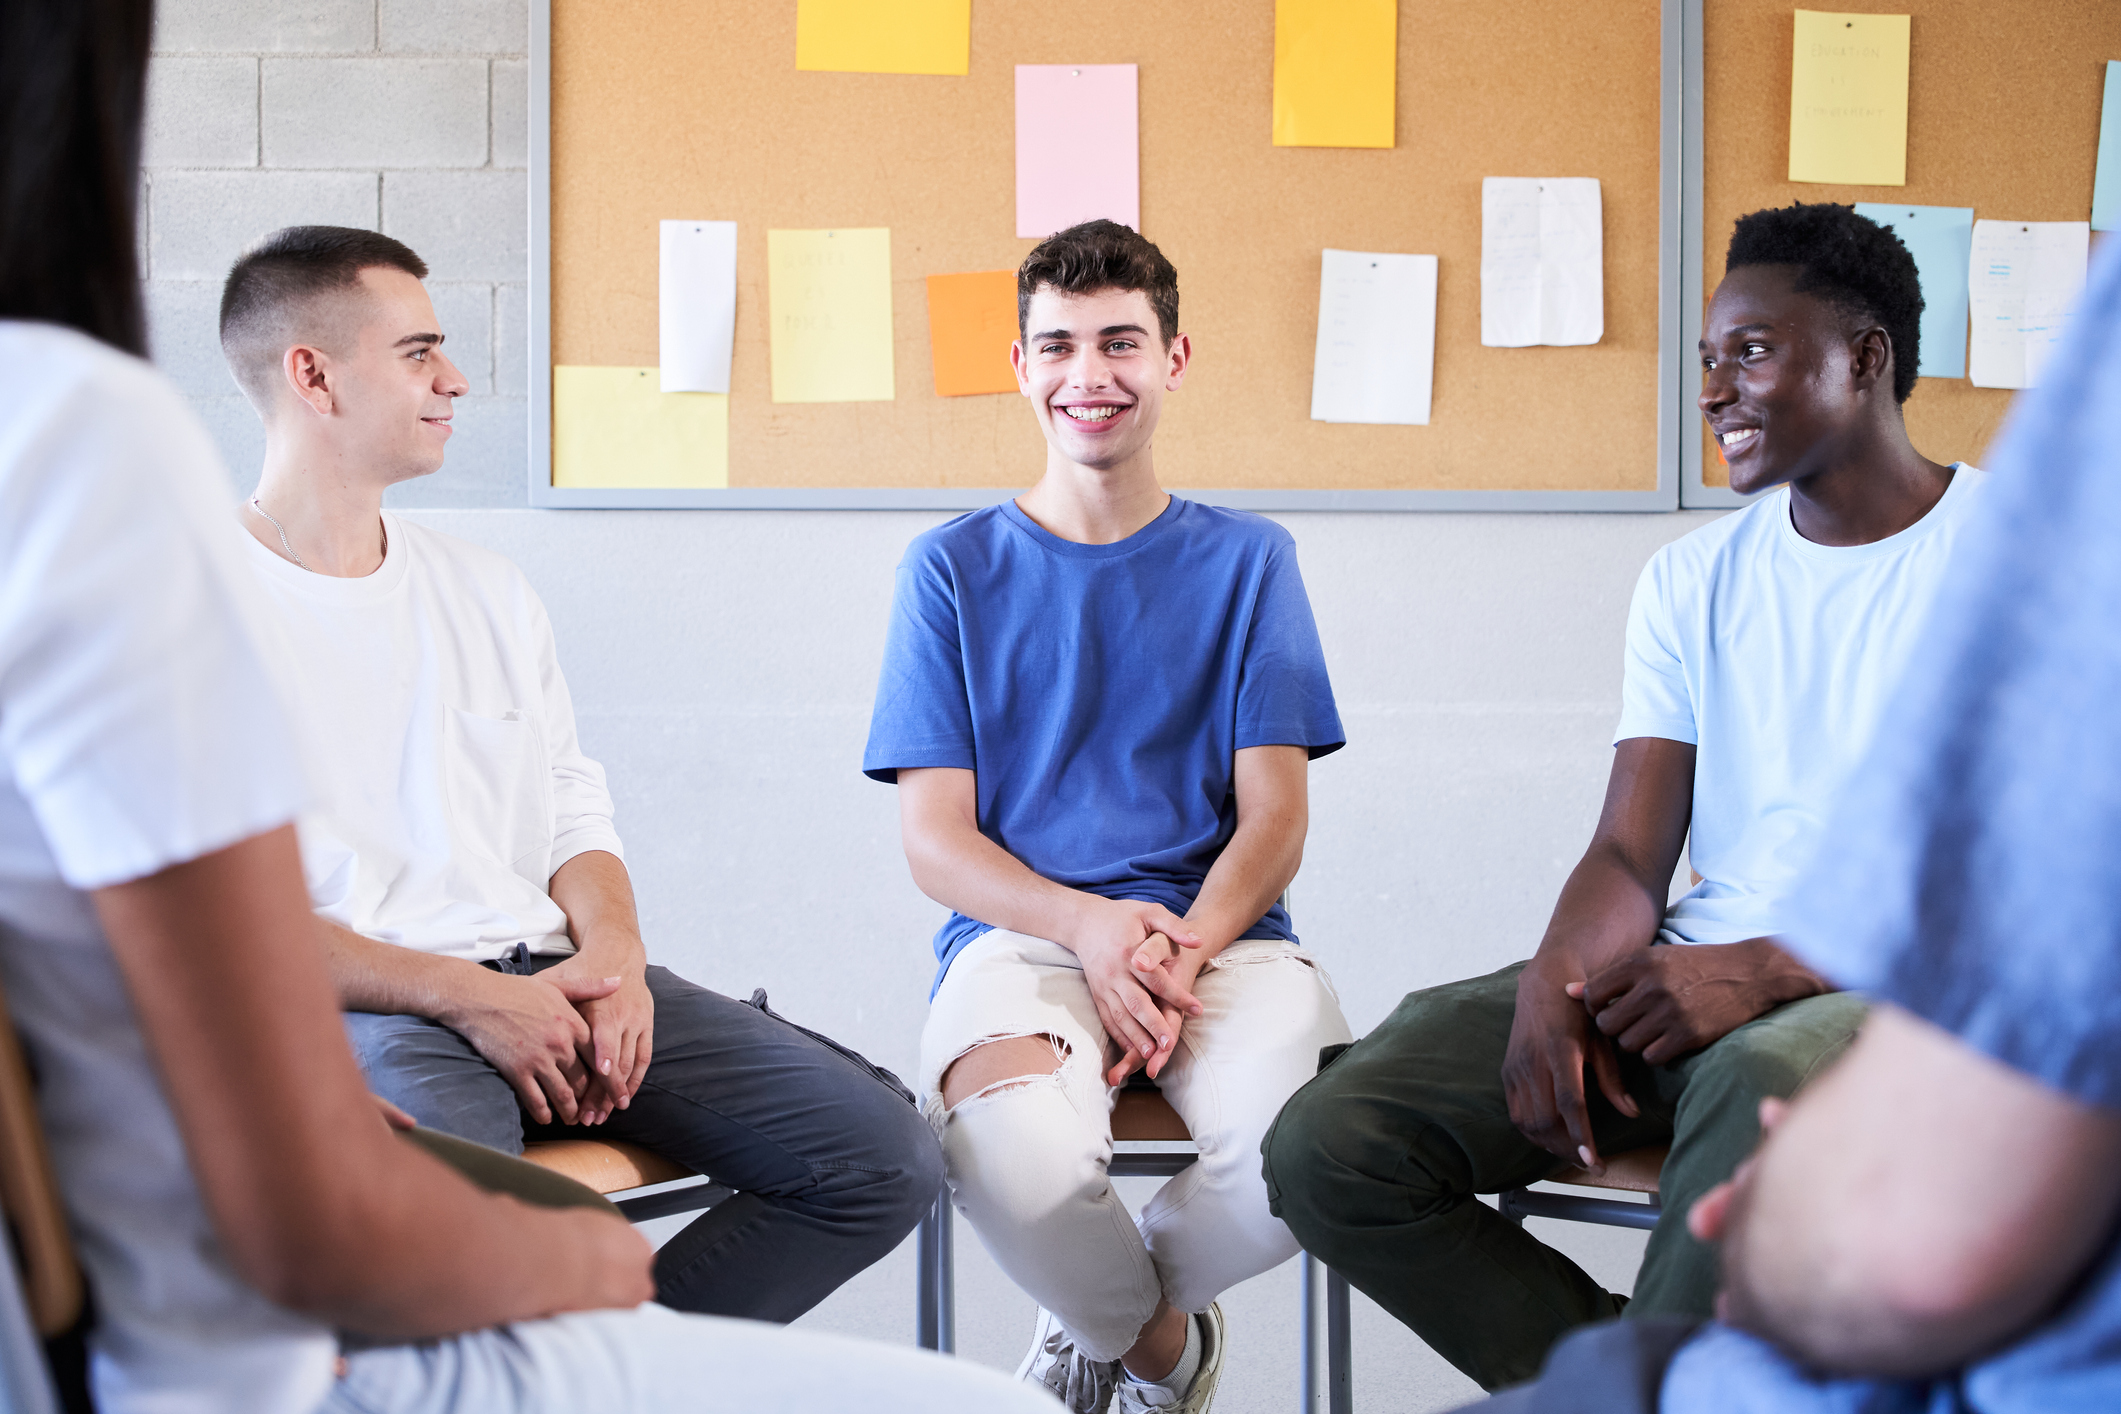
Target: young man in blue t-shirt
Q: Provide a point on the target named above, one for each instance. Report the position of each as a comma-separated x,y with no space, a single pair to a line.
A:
1099,703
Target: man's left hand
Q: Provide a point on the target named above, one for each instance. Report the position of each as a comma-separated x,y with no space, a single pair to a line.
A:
1667,1000
621,1039
1168,971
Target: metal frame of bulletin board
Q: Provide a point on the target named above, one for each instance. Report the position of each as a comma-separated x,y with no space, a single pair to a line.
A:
1678,305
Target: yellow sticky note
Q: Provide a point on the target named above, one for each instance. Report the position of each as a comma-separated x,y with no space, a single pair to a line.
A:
884,36
615,428
829,300
1848,99
1335,63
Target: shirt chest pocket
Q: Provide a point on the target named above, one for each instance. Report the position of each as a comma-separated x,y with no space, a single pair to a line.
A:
500,785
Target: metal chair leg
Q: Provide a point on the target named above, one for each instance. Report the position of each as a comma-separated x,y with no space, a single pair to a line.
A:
1340,1350
935,1321
1307,1386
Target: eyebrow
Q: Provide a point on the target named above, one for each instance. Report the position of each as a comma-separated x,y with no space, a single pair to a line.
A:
1741,329
417,339
1105,332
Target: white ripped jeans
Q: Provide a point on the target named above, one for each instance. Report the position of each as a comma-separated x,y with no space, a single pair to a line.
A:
1027,1160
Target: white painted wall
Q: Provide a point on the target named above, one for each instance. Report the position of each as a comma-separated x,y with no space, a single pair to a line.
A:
723,663
723,666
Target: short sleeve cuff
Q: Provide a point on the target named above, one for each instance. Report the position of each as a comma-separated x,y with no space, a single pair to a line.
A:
581,839
886,764
1636,723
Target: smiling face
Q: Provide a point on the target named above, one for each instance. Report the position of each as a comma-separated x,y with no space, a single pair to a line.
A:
394,389
1096,369
1786,377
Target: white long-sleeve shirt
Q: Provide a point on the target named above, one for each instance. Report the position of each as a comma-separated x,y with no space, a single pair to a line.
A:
448,785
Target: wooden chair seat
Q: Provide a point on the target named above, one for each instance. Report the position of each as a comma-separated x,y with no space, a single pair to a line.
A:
1144,1114
1636,1171
606,1165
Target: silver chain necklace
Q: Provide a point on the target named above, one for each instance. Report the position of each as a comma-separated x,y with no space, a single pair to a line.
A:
291,549
283,533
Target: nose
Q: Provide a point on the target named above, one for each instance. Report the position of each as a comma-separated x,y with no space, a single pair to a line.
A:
1717,390
1091,371
449,380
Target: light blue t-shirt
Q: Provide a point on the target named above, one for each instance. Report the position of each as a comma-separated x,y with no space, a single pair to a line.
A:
1100,692
1775,657
1970,872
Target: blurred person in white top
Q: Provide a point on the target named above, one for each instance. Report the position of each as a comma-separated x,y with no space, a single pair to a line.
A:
234,1194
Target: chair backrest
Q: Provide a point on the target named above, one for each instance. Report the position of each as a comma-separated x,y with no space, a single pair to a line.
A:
40,1282
51,1278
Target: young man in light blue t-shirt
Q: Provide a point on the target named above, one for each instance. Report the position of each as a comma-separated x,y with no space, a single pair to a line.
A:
1761,650
1099,703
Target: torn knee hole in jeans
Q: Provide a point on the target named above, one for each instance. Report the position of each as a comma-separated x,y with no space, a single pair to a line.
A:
1062,1053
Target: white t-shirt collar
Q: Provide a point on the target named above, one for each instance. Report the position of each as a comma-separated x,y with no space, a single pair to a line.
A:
330,589
1939,514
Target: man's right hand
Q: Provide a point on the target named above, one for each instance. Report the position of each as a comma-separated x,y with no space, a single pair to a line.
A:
1552,1040
528,1029
1127,998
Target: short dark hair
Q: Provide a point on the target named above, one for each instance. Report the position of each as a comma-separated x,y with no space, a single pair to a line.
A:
274,287
1099,255
72,78
1848,260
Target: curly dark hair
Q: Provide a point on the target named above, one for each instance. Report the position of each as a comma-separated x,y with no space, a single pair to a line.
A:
1849,260
1100,255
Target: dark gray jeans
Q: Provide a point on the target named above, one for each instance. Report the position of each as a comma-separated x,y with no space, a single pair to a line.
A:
831,1164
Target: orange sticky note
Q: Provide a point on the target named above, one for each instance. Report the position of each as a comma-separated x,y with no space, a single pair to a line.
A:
971,323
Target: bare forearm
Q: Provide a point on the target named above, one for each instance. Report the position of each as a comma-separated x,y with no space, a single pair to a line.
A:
1249,875
595,892
961,869
384,977
1606,910
1876,1235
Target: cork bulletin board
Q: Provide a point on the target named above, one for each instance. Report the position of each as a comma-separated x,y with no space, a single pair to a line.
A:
693,109
2003,116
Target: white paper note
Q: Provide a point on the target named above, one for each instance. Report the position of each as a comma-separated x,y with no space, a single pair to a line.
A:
1376,338
2022,286
696,299
1542,261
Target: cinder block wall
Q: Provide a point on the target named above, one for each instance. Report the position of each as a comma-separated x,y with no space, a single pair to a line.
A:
409,117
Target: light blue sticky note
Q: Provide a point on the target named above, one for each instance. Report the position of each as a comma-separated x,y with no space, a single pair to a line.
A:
1941,238
2106,186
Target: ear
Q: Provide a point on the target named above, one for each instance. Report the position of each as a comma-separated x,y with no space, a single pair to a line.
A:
1871,359
308,372
1176,357
1017,364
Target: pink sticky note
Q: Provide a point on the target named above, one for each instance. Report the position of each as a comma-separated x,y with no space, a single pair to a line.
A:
1078,147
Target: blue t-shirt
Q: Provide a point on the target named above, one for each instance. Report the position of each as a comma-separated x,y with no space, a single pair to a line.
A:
1970,873
1101,692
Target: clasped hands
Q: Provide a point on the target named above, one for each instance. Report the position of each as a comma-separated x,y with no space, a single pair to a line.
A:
573,1047
1660,1002
1140,960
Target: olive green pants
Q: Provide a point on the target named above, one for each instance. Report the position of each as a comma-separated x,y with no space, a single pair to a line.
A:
1374,1166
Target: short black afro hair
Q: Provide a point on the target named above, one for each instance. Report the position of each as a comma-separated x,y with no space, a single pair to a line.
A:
1849,260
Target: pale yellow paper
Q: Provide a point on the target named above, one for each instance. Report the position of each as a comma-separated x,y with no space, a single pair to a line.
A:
829,310
1848,99
884,36
615,428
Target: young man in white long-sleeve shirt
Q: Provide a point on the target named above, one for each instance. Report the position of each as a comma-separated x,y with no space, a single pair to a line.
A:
484,942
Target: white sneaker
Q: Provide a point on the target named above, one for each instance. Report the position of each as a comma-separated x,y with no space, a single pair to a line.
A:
1084,1385
1134,1396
